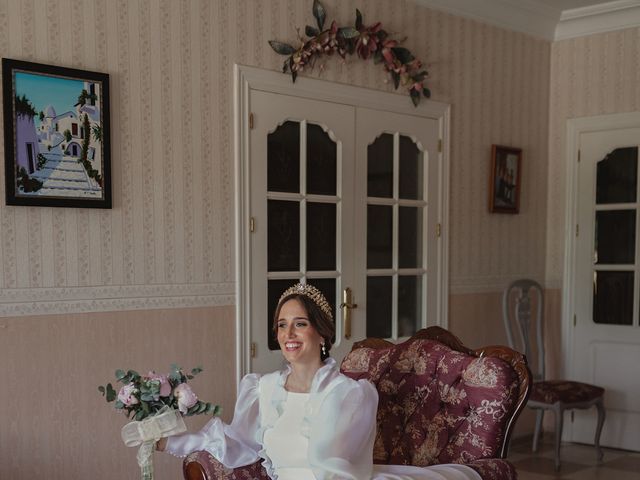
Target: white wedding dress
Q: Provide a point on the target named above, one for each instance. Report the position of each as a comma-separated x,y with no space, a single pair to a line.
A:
327,434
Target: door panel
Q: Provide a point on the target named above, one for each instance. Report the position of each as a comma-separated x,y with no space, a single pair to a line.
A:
606,336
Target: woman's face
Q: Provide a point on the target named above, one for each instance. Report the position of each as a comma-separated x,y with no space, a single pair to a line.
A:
299,340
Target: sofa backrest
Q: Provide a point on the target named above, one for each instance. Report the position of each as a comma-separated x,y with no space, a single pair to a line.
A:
438,404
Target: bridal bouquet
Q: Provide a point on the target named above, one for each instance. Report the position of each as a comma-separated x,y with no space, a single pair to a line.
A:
156,403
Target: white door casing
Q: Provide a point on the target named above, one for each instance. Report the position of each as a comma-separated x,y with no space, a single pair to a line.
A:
249,80
599,353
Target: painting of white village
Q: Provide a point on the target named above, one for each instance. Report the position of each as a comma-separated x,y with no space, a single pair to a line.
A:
58,137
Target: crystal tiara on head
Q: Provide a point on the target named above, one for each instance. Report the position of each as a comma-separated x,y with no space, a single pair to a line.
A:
311,292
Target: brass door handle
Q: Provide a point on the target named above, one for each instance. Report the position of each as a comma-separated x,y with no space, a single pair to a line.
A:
346,307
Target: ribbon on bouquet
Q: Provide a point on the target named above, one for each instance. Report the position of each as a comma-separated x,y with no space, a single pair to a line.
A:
147,432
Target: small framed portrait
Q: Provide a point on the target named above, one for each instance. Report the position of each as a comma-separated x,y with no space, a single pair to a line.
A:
56,136
504,185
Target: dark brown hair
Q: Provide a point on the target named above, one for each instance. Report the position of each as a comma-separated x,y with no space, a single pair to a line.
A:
317,318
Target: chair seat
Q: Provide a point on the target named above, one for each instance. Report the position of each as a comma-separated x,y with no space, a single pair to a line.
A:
565,391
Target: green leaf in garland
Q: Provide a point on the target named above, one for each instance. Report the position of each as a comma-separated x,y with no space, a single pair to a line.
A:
403,55
311,31
348,32
396,79
281,48
377,57
319,13
415,97
285,66
426,92
358,19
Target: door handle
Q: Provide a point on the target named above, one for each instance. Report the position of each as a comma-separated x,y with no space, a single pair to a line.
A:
346,307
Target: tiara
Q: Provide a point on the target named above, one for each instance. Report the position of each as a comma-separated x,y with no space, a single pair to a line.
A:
311,292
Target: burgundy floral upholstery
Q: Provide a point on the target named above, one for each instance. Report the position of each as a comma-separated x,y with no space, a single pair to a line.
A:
566,391
437,405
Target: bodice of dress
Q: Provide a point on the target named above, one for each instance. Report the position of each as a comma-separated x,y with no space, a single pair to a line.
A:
284,443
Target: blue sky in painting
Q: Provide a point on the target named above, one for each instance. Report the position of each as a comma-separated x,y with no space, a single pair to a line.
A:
43,90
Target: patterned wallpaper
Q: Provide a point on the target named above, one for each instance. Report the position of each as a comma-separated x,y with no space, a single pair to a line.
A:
169,239
592,75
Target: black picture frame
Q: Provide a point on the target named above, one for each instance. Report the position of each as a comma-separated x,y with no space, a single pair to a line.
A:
56,157
505,181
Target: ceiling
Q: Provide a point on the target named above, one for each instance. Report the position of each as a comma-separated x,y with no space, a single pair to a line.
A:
549,19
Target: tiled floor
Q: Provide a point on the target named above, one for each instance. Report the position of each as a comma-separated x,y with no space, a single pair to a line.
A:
578,462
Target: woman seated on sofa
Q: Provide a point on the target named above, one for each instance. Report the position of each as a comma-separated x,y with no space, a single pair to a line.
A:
308,421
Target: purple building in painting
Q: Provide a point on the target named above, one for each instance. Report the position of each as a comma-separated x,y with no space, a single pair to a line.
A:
26,142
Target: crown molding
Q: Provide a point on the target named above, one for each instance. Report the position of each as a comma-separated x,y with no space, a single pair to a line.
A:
47,301
600,18
526,16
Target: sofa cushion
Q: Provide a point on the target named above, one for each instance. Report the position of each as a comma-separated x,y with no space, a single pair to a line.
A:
437,405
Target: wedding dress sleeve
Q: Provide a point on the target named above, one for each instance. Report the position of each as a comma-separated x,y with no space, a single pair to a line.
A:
343,432
233,445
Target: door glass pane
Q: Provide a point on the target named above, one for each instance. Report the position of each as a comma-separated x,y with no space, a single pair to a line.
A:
380,167
283,236
411,169
379,297
613,298
321,161
617,176
409,305
615,236
275,288
321,236
410,237
283,158
379,236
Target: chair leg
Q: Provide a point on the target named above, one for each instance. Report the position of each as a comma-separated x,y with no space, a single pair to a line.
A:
536,433
601,417
559,412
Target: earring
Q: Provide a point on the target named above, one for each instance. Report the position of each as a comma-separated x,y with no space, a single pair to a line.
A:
324,350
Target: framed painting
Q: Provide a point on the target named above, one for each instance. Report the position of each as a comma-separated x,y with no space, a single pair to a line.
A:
56,136
504,185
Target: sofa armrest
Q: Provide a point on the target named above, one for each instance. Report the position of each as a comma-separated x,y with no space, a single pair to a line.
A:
202,466
494,469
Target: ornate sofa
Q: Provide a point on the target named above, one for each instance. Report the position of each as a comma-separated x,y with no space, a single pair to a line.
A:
439,402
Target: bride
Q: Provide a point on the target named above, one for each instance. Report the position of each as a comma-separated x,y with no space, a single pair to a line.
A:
308,421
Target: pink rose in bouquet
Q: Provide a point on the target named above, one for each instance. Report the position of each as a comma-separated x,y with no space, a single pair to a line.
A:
186,397
127,395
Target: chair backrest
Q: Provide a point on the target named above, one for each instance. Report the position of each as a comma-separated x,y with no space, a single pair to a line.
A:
517,307
440,402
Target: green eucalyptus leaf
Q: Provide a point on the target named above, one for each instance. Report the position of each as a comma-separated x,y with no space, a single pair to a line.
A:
348,32
120,374
196,370
358,19
139,415
111,393
311,31
319,13
146,397
101,390
396,79
403,55
415,97
281,47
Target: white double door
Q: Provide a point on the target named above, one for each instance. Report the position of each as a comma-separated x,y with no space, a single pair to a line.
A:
342,197
606,331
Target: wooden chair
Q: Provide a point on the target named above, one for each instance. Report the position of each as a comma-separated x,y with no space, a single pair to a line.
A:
554,395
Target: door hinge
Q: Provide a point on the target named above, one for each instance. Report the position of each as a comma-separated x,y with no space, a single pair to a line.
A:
575,320
577,229
252,224
438,230
253,349
251,121
578,156
440,145
572,415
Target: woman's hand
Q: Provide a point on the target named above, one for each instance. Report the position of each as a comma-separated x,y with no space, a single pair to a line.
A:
161,444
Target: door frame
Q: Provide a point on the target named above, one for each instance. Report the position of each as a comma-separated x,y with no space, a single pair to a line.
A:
251,78
576,127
